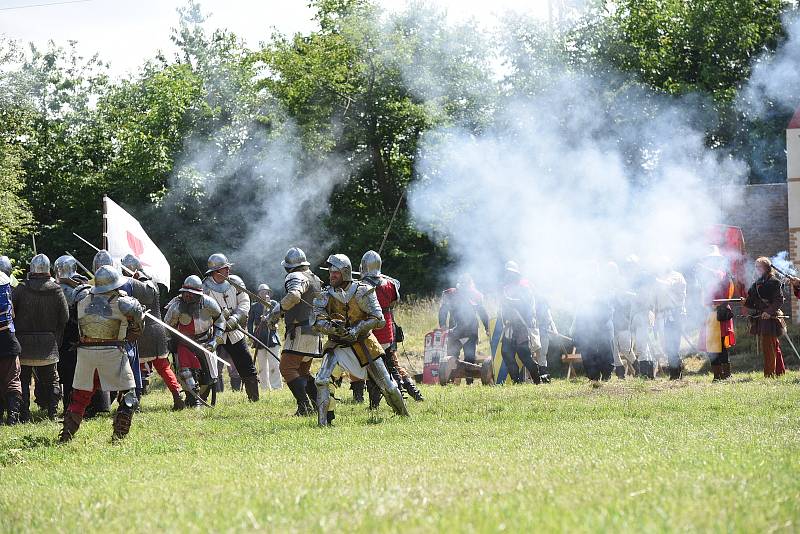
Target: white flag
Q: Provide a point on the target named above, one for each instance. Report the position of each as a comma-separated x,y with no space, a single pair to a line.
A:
126,236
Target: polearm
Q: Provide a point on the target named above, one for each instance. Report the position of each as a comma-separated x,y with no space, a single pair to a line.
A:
184,337
727,301
82,266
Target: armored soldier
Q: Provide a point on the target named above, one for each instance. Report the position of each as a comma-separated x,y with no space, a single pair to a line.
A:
520,330
10,386
388,292
199,317
269,375
41,313
75,288
459,311
301,342
130,287
347,312
235,306
107,317
152,343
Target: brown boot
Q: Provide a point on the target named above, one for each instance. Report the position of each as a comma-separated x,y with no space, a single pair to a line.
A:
251,387
726,371
122,424
717,370
177,402
72,422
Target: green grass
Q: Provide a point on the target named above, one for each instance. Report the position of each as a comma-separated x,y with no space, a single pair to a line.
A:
625,456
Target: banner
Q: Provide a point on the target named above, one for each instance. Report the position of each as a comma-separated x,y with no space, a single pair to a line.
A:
126,236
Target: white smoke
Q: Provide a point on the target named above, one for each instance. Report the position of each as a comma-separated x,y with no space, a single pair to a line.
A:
570,178
775,78
264,195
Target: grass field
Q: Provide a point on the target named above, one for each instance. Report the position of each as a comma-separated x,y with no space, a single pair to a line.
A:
625,456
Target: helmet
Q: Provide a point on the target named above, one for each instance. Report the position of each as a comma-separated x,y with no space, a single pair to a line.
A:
192,284
295,257
65,266
40,264
370,264
107,278
5,265
102,258
132,263
341,263
265,288
217,261
512,267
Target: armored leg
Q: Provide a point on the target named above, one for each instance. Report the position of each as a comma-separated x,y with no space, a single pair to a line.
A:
324,383
377,371
186,376
122,419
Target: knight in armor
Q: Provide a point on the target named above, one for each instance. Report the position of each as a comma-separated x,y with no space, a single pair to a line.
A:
75,288
593,329
152,344
461,308
347,312
520,330
387,290
269,376
301,342
235,306
131,287
41,313
107,318
199,317
10,385
642,288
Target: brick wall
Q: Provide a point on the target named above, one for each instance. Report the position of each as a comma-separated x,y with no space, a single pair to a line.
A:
763,216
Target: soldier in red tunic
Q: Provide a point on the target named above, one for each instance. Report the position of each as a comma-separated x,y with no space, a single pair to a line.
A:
387,290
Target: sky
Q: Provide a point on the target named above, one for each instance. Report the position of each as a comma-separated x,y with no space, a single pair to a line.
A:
127,32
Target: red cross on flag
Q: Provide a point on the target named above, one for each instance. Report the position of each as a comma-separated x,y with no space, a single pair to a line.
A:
126,236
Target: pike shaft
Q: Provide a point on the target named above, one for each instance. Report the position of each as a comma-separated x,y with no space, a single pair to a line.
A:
186,338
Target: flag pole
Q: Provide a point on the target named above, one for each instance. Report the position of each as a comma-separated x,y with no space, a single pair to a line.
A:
105,224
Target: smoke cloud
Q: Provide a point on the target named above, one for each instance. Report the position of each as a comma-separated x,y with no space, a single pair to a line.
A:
572,178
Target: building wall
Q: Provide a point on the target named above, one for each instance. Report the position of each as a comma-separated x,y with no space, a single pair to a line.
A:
763,215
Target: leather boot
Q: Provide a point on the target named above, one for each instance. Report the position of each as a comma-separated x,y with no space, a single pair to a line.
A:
716,368
647,370
412,389
357,387
13,403
298,389
543,374
236,384
54,399
375,394
178,403
72,422
620,371
251,387
675,373
311,392
725,371
122,424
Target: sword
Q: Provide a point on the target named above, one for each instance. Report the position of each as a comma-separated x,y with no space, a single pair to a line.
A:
256,340
786,335
186,338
